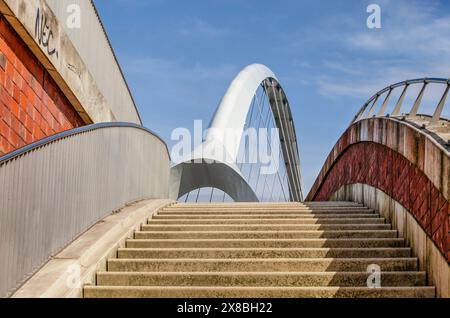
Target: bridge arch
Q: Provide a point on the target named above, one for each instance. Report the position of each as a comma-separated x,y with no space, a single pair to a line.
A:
398,164
232,114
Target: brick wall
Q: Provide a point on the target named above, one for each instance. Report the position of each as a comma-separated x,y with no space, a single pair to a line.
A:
383,168
31,104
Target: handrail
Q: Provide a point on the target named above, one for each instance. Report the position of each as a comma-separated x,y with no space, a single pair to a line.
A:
72,132
435,117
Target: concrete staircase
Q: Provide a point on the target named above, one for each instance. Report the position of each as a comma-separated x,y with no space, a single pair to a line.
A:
262,250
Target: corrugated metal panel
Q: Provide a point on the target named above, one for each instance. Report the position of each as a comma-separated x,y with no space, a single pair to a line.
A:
53,191
94,48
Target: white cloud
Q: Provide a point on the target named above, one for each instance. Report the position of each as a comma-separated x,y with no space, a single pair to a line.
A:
367,41
409,27
351,70
199,28
164,69
414,42
189,91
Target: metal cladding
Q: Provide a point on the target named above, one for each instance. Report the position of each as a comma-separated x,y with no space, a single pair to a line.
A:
55,189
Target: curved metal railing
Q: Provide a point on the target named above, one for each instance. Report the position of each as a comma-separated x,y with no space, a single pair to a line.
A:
368,110
72,132
53,190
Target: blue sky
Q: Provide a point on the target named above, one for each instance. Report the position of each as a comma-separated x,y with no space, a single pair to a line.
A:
180,56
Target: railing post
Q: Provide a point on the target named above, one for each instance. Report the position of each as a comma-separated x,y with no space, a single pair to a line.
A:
372,102
440,107
400,101
372,108
418,101
360,114
385,103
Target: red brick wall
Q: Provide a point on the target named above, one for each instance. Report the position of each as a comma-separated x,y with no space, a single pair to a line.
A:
383,168
31,104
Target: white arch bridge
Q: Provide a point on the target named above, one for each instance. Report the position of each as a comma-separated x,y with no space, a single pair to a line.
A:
226,165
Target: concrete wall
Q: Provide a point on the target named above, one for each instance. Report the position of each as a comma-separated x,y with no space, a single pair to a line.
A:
430,258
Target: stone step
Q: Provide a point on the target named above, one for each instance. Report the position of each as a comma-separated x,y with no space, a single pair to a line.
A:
270,221
265,227
264,234
257,265
257,205
264,216
264,211
262,252
263,208
267,243
264,204
258,279
256,292
254,250
341,203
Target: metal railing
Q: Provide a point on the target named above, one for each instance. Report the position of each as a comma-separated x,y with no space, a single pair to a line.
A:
53,190
369,110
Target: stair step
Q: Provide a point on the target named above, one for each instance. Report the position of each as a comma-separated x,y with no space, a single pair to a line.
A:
267,243
257,250
256,292
270,221
265,216
260,206
255,265
287,279
262,252
238,205
264,234
265,211
266,227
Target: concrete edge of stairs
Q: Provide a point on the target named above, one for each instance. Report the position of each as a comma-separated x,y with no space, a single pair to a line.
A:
88,253
258,292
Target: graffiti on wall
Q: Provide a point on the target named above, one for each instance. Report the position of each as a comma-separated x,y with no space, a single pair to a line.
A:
44,34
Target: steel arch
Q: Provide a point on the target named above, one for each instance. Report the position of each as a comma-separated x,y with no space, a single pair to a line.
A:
231,114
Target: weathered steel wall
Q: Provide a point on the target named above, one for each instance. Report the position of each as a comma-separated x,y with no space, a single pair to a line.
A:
423,247
407,163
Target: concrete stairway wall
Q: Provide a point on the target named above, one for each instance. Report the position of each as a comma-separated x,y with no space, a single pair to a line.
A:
262,250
